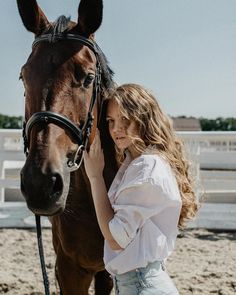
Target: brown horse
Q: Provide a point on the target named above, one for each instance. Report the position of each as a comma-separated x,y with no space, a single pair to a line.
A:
66,79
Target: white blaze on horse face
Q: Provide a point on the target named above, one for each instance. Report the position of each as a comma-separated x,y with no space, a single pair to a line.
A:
121,129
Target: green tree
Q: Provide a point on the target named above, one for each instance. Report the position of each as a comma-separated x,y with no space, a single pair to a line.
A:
10,122
218,124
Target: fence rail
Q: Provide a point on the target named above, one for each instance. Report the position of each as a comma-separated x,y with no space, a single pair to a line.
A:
11,158
213,155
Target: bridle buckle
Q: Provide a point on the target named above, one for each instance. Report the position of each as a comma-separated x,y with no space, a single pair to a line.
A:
72,164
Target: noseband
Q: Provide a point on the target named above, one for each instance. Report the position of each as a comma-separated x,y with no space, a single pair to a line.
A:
78,134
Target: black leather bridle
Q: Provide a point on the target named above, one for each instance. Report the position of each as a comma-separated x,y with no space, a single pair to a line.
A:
79,134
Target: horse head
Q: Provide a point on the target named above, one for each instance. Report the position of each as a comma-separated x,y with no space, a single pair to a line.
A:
64,78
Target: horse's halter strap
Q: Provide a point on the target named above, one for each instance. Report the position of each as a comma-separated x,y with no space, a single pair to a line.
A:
79,134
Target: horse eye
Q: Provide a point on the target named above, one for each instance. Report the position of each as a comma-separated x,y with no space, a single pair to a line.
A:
88,80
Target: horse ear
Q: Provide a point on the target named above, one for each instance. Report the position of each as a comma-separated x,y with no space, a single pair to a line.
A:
32,16
90,16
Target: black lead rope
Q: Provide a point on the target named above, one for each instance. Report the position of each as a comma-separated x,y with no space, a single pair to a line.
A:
41,255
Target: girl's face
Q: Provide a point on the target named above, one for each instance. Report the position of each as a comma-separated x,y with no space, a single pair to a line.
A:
120,128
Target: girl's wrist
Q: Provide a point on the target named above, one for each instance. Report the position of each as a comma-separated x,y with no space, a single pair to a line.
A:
96,179
98,187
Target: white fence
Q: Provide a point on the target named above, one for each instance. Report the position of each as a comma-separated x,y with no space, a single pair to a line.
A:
213,155
216,150
11,159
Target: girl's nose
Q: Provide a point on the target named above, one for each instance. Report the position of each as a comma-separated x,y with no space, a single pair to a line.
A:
118,126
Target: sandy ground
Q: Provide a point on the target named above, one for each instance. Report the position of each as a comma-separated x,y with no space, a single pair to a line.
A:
204,262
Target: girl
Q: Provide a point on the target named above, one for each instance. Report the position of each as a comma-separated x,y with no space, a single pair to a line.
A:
150,197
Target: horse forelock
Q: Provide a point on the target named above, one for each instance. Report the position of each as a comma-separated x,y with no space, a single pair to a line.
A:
60,25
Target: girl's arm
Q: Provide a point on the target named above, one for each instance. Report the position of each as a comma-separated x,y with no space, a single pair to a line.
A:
94,165
103,209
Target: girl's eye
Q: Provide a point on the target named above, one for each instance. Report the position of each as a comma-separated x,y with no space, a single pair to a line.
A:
110,121
88,80
125,121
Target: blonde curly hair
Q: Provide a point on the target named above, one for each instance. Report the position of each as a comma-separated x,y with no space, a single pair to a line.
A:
156,131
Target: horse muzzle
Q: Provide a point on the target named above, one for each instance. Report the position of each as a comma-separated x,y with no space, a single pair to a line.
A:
43,192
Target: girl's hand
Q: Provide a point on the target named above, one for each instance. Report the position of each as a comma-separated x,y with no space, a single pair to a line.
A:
94,160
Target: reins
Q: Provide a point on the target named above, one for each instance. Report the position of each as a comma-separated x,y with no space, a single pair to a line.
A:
79,134
41,255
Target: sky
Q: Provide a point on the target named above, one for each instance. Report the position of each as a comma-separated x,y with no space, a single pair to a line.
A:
184,51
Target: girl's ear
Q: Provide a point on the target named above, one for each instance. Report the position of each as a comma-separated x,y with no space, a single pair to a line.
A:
90,14
32,16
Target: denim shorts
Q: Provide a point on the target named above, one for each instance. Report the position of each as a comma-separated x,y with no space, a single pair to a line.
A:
149,280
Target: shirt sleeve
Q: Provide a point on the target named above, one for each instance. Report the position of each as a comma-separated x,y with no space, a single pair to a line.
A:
134,205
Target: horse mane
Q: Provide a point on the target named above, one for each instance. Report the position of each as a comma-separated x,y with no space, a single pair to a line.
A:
61,26
107,73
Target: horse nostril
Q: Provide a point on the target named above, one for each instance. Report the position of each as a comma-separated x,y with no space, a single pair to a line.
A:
57,185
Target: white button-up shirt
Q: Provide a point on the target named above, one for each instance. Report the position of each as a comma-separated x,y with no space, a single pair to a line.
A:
146,201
